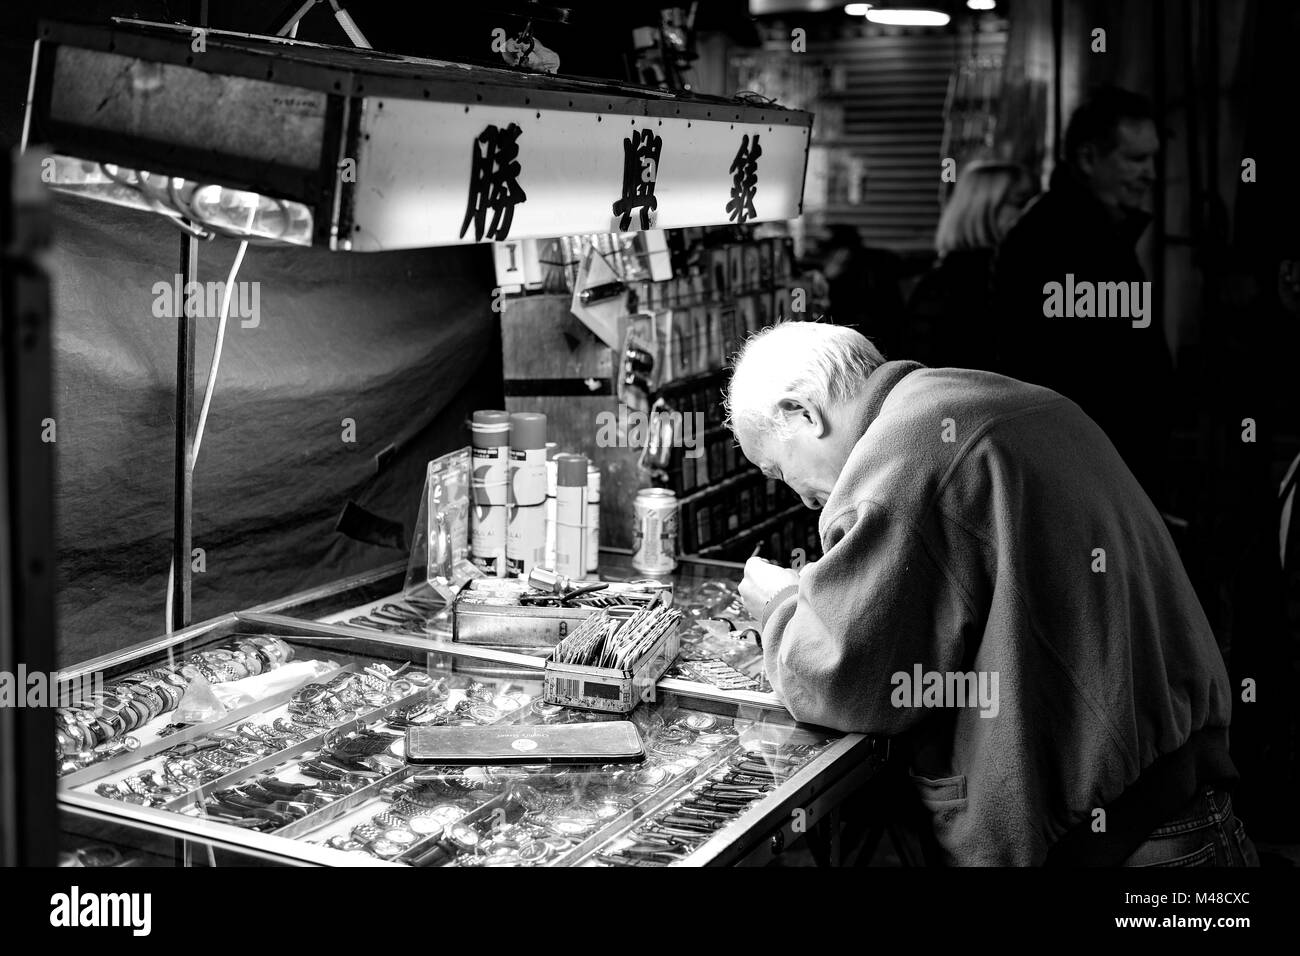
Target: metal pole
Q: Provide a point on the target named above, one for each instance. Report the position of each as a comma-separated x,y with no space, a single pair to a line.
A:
183,496
28,437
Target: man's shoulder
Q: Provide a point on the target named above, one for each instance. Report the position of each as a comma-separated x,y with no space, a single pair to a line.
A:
933,413
975,392
933,420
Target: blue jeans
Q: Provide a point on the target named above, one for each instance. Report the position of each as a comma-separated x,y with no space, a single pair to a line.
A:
1205,833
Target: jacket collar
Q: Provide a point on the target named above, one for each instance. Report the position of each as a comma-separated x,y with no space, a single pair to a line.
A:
879,384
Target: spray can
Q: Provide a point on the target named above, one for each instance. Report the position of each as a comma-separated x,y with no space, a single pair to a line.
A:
593,518
552,449
489,458
571,515
526,538
526,532
528,458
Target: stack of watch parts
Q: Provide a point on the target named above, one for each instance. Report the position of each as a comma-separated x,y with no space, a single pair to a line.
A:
104,725
313,710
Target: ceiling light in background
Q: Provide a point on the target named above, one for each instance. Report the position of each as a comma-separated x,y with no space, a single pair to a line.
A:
981,4
908,17
857,9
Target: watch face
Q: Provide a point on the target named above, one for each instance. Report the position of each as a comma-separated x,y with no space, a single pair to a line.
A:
609,809
711,739
385,849
571,826
701,721
400,835
425,825
534,852
463,836
651,777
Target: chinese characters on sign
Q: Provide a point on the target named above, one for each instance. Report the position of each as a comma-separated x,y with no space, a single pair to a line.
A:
641,154
493,182
744,180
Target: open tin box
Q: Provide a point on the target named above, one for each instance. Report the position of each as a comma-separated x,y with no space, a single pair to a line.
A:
609,689
503,612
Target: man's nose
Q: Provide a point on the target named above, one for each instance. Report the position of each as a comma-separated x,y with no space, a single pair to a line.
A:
810,502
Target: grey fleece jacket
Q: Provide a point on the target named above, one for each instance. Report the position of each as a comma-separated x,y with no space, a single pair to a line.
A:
982,524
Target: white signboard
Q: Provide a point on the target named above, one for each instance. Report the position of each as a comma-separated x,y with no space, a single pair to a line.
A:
432,174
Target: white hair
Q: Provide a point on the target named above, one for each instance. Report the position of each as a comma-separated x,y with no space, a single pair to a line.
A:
812,363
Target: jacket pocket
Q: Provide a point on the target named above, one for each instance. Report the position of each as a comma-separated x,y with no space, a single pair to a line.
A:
941,791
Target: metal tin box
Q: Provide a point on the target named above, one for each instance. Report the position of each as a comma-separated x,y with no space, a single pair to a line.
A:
608,689
487,612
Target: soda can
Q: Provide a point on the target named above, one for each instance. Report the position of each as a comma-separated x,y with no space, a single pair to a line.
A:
655,531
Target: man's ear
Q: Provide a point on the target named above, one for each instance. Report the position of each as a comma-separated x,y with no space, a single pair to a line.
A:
793,408
1086,158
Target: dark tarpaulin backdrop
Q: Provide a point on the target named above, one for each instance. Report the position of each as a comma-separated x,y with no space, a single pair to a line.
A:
403,343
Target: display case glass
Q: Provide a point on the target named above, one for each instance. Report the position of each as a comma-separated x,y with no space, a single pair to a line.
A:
719,644
303,762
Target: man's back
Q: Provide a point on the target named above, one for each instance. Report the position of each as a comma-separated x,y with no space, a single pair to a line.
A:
986,526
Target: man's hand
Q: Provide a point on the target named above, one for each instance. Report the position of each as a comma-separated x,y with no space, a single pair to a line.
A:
762,580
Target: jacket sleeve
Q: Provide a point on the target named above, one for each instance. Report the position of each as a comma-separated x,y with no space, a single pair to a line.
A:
877,604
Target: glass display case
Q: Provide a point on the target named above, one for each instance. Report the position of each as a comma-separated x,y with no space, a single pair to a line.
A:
719,646
293,753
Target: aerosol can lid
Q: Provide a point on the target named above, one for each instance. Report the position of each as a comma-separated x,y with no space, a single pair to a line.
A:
571,471
527,430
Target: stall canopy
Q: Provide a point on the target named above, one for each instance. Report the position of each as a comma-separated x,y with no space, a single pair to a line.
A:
358,150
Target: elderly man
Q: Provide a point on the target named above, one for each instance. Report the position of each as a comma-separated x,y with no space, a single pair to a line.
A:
998,594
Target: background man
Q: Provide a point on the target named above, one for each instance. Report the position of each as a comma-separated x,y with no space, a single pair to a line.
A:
973,523
1087,225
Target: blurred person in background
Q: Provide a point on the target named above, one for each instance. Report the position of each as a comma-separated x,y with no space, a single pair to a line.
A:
863,287
950,317
1083,233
